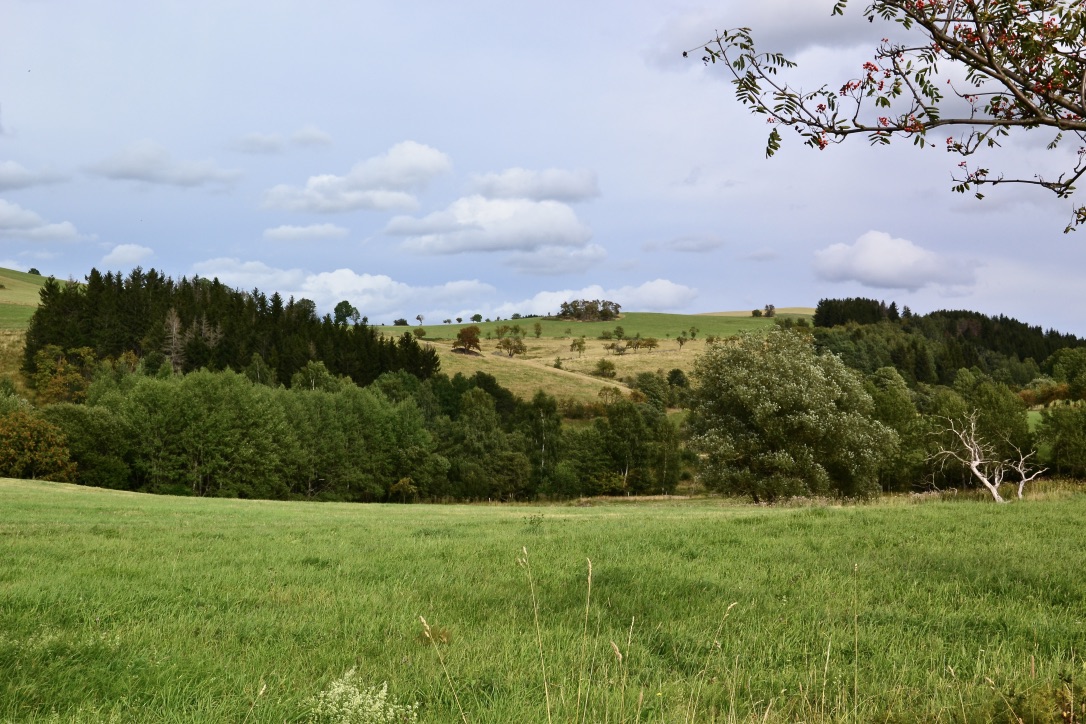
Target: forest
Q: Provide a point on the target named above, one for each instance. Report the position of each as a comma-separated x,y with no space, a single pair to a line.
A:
191,388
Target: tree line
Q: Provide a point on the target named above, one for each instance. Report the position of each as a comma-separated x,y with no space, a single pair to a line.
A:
401,439
192,324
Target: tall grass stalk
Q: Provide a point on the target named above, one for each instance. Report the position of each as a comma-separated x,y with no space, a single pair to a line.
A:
699,680
584,641
429,634
538,630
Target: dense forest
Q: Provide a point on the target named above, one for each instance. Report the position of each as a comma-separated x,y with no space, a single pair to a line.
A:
868,334
197,323
189,387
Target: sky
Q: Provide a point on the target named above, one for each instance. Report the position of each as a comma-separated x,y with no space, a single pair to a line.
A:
447,159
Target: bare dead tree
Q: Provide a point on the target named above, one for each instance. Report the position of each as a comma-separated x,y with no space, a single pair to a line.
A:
1022,467
974,452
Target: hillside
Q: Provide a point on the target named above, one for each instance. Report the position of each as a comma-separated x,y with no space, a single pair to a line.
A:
18,298
523,375
536,370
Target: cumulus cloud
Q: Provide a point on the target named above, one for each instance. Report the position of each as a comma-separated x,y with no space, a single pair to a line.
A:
695,244
311,136
553,260
313,232
381,183
14,176
260,143
149,162
475,223
124,255
659,295
879,260
373,294
554,184
20,223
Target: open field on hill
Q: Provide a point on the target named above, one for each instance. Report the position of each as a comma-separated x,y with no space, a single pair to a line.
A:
647,324
131,608
526,374
18,298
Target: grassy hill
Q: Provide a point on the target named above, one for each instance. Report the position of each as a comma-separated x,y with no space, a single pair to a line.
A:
536,369
18,300
134,608
523,375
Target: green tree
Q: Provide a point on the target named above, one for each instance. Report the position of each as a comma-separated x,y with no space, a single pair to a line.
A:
1023,70
98,441
773,418
34,449
1063,431
345,312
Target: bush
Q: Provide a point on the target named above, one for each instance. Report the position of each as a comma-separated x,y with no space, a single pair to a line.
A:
34,449
344,703
604,368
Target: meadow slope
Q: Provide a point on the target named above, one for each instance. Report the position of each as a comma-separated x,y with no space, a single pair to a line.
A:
132,608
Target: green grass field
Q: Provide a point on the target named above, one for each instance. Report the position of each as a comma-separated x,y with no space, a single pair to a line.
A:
131,608
18,298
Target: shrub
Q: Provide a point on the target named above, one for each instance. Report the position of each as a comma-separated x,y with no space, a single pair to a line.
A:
604,368
33,448
344,703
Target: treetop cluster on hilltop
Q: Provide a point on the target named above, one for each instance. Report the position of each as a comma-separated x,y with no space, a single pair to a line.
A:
197,323
584,310
868,334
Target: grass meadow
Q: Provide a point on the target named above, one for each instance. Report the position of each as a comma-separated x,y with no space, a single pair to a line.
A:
131,608
535,370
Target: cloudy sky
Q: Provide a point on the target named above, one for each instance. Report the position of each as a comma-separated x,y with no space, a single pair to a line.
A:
446,158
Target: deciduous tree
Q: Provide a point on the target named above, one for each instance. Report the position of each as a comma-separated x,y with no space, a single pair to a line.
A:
773,418
1024,68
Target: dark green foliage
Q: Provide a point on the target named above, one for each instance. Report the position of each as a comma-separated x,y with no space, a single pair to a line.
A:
202,323
1063,431
834,312
98,439
584,310
932,348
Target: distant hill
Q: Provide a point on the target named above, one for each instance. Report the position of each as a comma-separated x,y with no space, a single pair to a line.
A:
18,298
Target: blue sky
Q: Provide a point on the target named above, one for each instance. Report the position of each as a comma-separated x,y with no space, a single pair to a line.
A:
451,158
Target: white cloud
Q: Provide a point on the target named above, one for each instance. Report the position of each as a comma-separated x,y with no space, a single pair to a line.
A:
12,264
553,260
475,223
313,232
149,162
250,274
311,136
124,255
375,295
380,183
659,295
879,260
554,184
260,143
15,176
17,222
